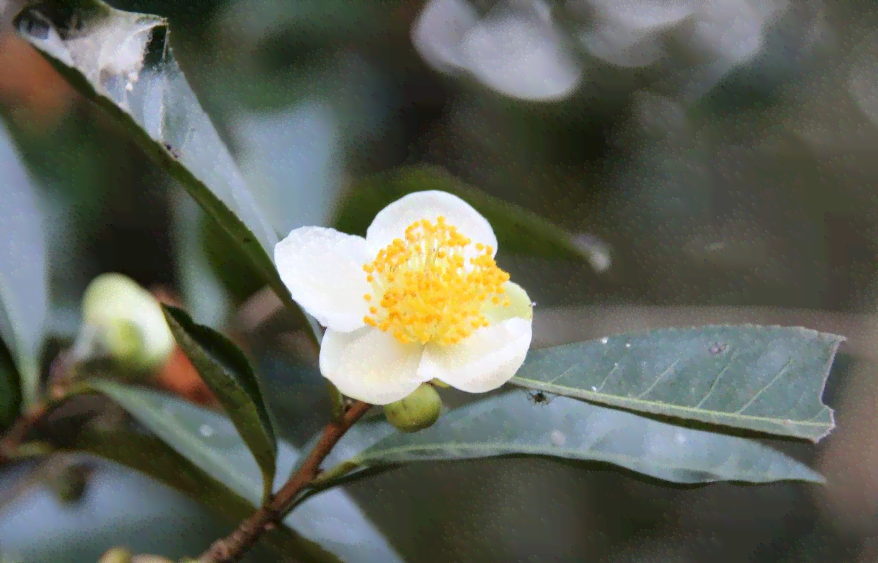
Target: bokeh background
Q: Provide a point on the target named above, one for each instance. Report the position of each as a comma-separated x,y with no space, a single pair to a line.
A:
716,159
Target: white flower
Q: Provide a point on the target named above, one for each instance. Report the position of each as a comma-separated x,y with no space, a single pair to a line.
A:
420,298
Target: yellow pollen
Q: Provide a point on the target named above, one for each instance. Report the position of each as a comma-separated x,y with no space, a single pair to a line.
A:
428,291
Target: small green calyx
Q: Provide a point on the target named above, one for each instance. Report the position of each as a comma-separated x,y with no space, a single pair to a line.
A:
123,341
419,410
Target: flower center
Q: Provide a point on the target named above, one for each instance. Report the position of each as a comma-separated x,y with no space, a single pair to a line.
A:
424,290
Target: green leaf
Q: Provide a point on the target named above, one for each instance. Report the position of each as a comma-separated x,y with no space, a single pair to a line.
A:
136,79
23,268
203,292
512,424
10,391
517,229
767,379
151,456
120,507
227,372
209,441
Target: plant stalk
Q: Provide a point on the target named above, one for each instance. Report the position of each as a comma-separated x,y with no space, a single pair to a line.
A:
249,531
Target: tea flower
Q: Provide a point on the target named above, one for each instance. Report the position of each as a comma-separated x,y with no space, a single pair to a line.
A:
420,298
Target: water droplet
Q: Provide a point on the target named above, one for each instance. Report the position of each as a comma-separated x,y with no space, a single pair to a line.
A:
593,388
205,430
628,345
604,340
558,438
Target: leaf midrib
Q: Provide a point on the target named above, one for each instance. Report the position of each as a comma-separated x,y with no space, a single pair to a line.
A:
616,399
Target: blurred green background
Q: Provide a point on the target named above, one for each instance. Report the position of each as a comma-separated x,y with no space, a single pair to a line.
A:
715,162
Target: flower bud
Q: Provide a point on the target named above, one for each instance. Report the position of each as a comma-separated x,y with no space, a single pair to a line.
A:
417,411
124,321
116,555
70,483
147,558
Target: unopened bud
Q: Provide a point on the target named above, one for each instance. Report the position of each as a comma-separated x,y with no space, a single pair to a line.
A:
70,483
419,410
122,320
116,555
147,558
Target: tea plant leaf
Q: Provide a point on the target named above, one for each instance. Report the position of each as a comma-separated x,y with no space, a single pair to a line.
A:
23,269
761,378
229,375
559,427
210,442
123,61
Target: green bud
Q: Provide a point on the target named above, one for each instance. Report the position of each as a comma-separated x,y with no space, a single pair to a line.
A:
122,320
417,411
116,555
70,483
147,558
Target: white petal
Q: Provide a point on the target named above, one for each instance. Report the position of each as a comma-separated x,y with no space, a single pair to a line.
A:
391,222
323,269
518,53
438,31
519,305
484,361
370,365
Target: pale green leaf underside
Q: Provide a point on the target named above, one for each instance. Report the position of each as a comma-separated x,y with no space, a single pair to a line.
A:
210,442
511,424
23,268
123,61
151,456
766,379
229,375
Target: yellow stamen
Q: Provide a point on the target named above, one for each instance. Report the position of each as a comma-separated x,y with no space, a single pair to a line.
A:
428,292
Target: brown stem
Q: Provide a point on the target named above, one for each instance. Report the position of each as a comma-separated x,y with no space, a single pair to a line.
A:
13,437
235,544
59,371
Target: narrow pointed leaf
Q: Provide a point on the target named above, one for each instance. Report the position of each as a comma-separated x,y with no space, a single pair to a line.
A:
761,378
23,268
123,61
227,372
154,458
210,442
10,391
517,229
511,424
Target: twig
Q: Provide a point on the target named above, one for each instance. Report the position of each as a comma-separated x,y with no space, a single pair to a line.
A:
49,468
232,547
59,371
13,437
